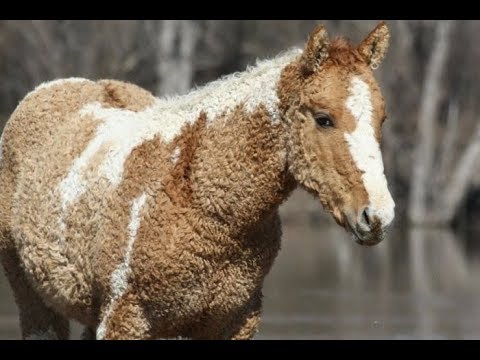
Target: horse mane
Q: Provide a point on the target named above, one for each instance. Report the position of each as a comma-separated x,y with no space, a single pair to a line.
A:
256,85
341,52
251,72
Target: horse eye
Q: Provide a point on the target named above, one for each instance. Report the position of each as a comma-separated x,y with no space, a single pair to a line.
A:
323,120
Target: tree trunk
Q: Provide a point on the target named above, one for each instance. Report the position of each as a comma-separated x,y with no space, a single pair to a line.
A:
447,150
176,47
424,153
461,179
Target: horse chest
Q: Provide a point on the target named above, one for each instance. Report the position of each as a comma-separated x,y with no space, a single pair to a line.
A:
213,286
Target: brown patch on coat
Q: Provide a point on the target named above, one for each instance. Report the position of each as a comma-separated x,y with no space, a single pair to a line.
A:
219,167
178,186
121,95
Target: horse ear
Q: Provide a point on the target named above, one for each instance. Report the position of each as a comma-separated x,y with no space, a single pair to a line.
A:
374,48
316,50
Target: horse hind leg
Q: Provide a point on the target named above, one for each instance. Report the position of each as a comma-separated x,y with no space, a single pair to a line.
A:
37,321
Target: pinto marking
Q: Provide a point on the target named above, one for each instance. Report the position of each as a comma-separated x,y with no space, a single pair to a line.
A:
123,130
119,279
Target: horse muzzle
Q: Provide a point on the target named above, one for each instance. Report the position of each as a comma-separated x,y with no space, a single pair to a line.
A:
366,228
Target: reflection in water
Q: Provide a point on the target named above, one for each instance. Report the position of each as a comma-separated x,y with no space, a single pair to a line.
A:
419,283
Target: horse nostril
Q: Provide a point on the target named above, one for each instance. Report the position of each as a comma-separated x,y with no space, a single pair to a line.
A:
366,217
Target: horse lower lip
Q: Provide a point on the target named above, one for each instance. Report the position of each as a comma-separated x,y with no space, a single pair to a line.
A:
348,227
362,239
370,239
366,243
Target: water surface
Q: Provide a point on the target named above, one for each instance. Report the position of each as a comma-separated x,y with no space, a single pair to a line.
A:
417,284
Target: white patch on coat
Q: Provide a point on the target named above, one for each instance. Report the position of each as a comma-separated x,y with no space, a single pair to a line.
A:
61,225
120,275
366,153
122,130
62,228
175,155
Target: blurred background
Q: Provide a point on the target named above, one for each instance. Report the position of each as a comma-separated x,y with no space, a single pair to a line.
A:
423,281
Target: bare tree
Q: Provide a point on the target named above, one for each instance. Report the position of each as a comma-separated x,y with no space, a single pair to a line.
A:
176,47
429,107
46,50
437,189
460,180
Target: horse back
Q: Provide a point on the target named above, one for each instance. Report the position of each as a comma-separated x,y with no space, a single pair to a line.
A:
40,144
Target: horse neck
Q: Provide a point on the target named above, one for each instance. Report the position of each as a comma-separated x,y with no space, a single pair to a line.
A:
239,173
233,153
251,88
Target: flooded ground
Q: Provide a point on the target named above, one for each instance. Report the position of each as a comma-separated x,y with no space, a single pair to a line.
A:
418,284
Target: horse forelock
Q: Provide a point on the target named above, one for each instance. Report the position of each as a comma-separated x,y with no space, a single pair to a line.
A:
341,52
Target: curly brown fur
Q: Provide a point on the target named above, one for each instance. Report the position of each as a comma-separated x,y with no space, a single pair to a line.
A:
148,218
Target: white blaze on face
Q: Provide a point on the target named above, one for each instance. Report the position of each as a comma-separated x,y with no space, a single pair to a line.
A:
366,153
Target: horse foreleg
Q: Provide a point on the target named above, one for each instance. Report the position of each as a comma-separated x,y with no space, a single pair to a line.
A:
249,325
